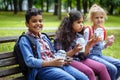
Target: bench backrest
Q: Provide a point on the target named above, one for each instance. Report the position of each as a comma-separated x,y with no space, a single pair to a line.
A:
9,69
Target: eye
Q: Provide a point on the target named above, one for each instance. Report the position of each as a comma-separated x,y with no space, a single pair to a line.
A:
40,21
96,17
79,22
101,17
34,21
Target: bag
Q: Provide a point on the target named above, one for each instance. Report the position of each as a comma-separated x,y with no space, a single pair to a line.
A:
80,56
19,57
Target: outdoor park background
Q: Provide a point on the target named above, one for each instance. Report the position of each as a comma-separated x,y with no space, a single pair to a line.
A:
12,21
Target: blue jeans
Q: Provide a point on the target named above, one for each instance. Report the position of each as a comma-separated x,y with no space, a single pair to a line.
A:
61,73
112,64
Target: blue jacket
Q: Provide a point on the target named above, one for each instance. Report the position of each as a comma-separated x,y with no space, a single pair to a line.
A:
28,56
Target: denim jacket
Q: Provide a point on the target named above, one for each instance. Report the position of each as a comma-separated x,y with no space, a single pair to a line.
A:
29,58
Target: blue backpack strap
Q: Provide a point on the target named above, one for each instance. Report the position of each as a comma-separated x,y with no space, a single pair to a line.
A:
33,44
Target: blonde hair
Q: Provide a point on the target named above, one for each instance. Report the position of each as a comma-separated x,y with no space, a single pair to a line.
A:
96,9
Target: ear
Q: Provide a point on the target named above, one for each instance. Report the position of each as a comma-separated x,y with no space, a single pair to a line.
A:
27,24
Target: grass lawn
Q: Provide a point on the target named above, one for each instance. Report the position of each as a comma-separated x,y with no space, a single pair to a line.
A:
114,50
9,20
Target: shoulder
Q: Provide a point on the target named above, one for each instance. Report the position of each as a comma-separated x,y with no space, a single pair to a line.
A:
44,36
23,40
87,30
27,39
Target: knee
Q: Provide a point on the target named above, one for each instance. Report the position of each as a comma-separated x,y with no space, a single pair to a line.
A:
112,69
84,77
102,68
68,78
89,72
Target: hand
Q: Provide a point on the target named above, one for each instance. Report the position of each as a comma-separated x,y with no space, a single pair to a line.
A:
68,60
77,48
57,62
110,40
93,41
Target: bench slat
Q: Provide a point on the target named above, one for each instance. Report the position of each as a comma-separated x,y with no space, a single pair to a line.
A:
19,78
6,55
14,38
10,71
13,78
8,62
8,39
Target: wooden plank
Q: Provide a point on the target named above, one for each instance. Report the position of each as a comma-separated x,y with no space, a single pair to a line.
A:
4,55
9,71
8,39
14,38
13,78
8,62
19,78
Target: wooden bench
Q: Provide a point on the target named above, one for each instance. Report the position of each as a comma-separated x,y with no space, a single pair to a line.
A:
9,68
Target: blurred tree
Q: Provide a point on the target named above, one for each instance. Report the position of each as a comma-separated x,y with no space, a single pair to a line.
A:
85,6
59,10
112,5
47,5
42,5
15,6
78,5
20,5
55,7
70,3
30,3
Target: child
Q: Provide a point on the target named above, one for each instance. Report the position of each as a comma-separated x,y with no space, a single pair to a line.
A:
97,16
46,66
67,38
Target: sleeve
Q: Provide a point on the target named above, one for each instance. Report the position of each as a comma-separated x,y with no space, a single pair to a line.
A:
28,56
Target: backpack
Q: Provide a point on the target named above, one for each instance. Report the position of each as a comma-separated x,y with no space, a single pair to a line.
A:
19,57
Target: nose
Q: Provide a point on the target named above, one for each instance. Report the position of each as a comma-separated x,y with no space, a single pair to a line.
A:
81,24
99,19
39,23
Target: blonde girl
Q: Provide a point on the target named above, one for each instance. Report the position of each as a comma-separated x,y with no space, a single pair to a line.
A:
97,16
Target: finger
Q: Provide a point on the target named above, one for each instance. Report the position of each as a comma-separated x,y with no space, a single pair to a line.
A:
77,45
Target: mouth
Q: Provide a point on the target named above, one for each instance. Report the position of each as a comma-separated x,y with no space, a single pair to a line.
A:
38,27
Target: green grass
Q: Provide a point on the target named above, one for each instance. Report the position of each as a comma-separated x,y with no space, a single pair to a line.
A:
114,50
8,19
113,21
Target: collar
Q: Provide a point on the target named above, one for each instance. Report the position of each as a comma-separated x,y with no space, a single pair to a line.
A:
30,33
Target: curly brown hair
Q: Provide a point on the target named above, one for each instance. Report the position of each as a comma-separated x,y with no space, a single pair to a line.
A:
65,33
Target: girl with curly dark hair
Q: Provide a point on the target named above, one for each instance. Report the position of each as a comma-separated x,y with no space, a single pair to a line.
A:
67,35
